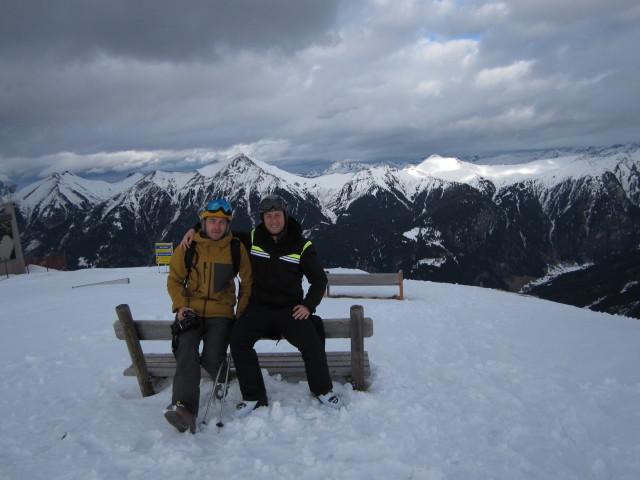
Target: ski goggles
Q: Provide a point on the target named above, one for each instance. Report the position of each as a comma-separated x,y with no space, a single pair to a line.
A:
219,205
272,202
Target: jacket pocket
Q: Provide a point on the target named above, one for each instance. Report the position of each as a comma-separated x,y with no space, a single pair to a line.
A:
222,276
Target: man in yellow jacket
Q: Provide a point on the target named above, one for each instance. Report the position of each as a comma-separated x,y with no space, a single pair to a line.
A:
206,290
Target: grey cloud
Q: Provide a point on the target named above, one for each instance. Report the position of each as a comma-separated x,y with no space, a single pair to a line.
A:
318,81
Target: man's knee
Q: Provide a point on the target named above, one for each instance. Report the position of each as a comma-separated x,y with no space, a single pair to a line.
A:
189,342
245,334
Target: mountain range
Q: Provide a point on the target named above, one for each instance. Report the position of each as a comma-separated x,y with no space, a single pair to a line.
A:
517,225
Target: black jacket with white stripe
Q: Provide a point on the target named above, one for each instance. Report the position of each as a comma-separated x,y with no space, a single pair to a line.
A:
279,266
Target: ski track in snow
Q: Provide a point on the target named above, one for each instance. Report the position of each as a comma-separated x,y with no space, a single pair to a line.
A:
467,383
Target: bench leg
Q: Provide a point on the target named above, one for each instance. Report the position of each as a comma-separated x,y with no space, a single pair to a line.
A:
135,350
357,347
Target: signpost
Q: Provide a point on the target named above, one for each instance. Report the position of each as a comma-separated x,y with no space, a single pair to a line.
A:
164,251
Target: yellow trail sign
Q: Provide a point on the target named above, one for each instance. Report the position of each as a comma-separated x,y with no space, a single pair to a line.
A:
164,251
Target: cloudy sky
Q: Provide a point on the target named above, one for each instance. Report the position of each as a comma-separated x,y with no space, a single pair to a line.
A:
107,87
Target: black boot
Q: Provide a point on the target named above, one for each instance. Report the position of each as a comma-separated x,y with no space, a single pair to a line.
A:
180,417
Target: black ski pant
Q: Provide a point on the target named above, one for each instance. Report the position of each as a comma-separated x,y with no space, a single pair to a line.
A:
252,325
214,334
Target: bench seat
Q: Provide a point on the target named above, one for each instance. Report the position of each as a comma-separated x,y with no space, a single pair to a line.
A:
286,364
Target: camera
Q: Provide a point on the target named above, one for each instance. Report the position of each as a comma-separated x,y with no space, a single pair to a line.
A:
190,320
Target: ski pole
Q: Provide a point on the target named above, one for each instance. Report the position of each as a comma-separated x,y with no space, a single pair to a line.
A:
224,394
204,419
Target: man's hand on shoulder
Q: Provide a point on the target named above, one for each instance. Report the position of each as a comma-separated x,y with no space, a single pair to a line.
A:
187,239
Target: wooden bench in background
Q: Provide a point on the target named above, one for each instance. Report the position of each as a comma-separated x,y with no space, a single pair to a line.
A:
365,279
149,368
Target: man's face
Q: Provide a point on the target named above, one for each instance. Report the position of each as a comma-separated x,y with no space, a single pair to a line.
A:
274,221
215,227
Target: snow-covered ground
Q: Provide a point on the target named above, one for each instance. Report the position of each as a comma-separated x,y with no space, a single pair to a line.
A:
467,383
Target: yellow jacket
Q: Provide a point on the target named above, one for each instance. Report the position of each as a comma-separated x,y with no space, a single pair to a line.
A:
210,288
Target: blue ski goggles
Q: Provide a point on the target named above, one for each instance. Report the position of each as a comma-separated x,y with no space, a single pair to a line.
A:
218,205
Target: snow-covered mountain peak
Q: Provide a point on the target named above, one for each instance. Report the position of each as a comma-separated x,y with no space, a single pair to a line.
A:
552,169
170,180
276,172
212,168
345,167
65,187
343,181
238,162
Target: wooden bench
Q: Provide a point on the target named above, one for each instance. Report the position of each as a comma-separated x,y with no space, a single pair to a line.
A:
150,368
365,279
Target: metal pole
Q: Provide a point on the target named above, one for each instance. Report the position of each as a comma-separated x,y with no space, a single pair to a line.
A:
224,395
213,389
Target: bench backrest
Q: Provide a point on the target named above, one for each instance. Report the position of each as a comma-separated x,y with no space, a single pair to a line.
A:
159,329
365,279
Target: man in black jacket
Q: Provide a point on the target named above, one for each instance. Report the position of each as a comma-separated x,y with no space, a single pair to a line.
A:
280,257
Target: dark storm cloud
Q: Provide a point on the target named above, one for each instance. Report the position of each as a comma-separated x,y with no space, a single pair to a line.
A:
157,29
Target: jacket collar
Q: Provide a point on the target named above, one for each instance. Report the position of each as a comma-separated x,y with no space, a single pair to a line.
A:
198,238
